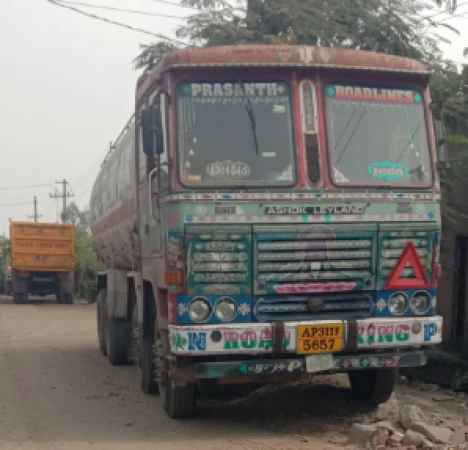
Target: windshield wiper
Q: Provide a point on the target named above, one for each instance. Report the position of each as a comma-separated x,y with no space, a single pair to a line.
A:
409,141
251,114
352,135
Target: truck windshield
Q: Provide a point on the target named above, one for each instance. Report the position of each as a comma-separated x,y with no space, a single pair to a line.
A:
233,133
377,136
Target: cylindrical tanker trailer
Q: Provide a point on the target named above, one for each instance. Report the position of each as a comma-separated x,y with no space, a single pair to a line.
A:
270,213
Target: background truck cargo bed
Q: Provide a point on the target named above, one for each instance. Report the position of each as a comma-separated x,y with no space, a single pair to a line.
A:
42,247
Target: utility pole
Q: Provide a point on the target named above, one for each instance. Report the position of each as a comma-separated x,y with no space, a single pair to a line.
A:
64,195
36,215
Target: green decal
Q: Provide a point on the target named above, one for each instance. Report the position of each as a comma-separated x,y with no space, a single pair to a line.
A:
331,91
243,369
417,98
387,171
187,89
215,374
178,341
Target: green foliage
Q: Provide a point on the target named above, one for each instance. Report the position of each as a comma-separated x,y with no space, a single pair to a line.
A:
389,26
87,264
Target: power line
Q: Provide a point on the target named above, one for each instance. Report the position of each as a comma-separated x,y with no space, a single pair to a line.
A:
177,5
113,22
131,11
31,186
7,205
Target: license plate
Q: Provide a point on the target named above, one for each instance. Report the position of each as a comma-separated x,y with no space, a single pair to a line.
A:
325,338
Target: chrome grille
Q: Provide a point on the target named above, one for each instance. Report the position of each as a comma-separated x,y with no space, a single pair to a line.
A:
335,306
392,246
307,259
218,260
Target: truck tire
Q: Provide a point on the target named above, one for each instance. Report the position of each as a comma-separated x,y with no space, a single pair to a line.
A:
116,341
100,319
179,402
20,298
64,299
373,386
143,356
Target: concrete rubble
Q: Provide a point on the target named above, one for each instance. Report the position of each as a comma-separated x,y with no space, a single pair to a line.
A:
406,427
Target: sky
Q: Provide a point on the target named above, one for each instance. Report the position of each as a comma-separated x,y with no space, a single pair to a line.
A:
67,89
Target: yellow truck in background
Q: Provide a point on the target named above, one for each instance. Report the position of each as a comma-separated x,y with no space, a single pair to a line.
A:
42,260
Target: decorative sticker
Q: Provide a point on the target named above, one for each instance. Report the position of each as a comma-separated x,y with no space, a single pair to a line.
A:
192,178
339,286
339,177
279,109
228,169
373,94
387,170
198,90
174,251
315,210
257,338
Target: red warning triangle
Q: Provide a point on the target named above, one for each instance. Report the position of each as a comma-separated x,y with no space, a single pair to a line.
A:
420,281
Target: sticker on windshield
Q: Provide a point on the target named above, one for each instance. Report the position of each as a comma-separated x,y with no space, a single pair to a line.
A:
193,178
373,94
228,169
387,170
339,177
279,109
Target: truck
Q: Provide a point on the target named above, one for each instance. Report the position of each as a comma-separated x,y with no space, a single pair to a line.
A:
270,213
42,261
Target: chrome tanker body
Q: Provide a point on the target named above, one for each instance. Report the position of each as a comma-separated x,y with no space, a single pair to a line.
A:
113,205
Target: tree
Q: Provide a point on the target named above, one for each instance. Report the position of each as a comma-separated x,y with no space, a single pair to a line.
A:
389,26
86,261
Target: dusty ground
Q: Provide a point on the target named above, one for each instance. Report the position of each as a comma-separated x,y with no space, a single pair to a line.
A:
58,392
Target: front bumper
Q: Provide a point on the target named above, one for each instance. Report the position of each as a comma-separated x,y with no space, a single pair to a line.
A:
307,365
260,338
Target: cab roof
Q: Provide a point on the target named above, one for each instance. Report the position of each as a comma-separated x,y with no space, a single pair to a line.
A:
282,56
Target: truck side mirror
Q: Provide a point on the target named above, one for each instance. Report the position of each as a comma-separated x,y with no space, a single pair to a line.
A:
152,132
441,144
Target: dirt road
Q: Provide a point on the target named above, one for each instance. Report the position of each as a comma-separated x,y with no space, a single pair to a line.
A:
58,392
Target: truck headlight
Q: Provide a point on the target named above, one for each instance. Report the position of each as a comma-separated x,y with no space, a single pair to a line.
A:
226,309
420,302
199,310
398,304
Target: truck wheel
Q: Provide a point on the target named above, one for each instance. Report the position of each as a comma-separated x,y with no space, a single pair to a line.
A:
178,401
64,299
373,386
116,341
20,298
143,356
101,330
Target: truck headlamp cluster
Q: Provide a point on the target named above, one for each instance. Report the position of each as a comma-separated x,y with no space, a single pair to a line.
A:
420,302
199,309
226,309
398,304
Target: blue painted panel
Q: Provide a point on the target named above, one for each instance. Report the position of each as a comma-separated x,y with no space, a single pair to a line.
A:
381,303
244,309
